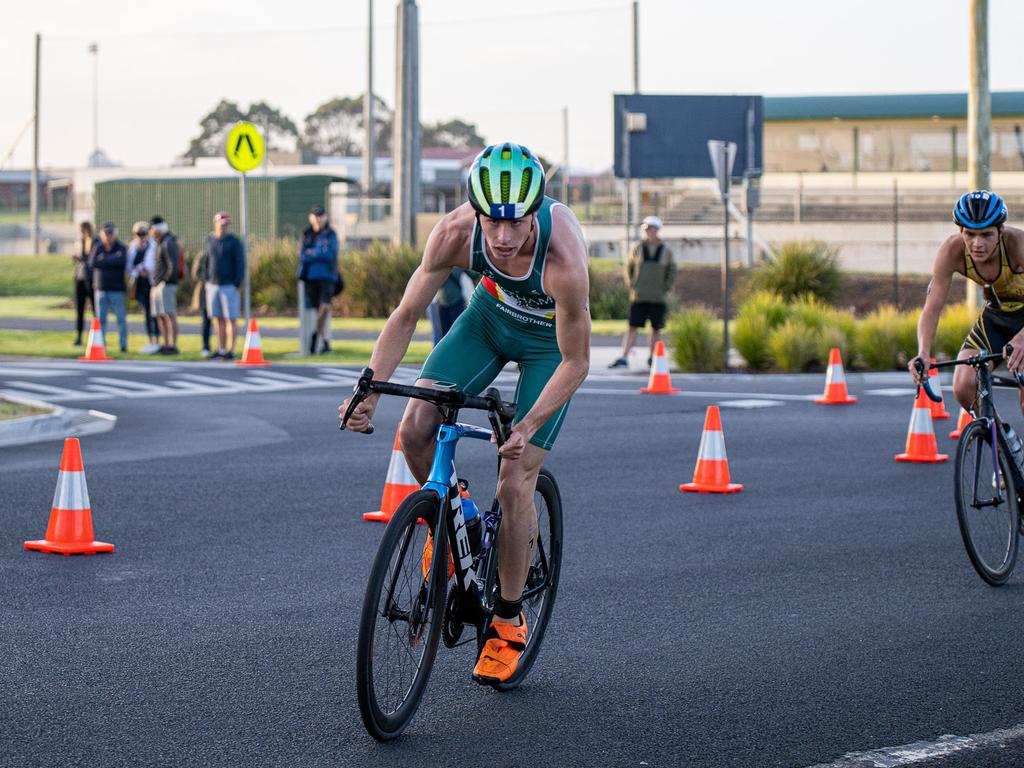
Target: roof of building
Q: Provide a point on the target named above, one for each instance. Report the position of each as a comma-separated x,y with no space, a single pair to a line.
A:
888,105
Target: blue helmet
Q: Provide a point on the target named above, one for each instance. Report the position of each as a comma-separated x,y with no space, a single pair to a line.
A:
979,209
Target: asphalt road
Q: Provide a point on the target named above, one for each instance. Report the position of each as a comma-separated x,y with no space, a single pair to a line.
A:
826,611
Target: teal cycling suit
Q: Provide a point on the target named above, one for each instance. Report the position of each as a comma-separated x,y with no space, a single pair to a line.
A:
508,319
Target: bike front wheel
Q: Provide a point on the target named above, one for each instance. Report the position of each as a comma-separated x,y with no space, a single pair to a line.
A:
401,619
986,503
542,579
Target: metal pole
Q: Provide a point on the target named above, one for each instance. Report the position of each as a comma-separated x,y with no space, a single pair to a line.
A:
94,49
625,172
405,186
565,155
979,116
636,46
633,186
725,283
749,174
34,191
243,206
896,243
369,150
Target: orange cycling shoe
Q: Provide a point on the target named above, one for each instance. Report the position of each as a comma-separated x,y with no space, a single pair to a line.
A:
428,557
501,653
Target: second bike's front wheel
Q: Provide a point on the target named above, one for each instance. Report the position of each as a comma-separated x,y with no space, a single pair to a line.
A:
401,619
986,503
542,579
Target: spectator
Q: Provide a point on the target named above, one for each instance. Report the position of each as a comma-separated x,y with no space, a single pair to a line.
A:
199,274
650,273
109,260
318,268
224,270
164,294
448,304
83,278
141,260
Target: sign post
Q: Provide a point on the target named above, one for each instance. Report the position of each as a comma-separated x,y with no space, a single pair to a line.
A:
245,152
723,155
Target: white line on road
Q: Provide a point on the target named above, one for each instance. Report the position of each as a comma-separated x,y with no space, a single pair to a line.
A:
921,751
692,393
49,392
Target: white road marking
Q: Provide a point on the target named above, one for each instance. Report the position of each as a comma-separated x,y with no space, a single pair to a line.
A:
45,391
892,392
749,404
921,751
692,393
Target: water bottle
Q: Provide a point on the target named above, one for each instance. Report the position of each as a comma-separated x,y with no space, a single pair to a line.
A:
471,515
1016,448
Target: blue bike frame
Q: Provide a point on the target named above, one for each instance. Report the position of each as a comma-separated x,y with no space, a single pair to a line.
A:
443,480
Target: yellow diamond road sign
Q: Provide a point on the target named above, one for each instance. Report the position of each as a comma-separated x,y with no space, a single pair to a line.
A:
244,147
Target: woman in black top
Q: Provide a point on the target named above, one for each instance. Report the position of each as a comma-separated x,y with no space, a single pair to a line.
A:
83,278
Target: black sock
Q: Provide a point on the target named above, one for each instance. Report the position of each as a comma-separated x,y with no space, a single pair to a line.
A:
505,609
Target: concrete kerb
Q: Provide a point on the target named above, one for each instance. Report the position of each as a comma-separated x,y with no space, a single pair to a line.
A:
59,423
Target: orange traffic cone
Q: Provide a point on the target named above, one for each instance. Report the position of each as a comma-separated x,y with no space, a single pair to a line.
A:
921,445
938,409
253,352
963,421
95,350
660,382
712,472
835,382
398,484
70,528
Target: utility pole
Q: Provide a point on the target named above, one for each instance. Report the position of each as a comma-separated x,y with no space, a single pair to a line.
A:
636,46
34,191
368,142
94,49
979,118
405,185
565,155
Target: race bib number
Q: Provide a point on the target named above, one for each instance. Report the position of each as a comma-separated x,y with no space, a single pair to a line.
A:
508,210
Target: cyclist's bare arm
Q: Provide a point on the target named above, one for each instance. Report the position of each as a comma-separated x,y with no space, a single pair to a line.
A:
447,247
567,282
947,262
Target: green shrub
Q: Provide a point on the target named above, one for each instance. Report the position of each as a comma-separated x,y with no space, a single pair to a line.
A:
273,267
907,336
881,337
375,279
793,345
695,335
954,325
799,268
761,312
609,297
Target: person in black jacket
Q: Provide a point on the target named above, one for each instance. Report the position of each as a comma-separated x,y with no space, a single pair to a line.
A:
224,266
83,278
163,295
109,260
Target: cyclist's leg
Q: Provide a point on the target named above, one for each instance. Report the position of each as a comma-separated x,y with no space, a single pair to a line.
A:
466,358
993,331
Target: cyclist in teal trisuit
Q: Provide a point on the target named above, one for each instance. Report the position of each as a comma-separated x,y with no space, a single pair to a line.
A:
991,254
531,307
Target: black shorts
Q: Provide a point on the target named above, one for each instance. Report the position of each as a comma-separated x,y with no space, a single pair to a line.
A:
994,330
319,292
642,311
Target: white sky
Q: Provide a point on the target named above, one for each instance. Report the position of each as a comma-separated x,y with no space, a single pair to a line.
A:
509,67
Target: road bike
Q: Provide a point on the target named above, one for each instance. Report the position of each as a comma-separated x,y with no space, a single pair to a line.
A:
988,476
410,605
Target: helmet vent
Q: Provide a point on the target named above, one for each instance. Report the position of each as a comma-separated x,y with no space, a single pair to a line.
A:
524,185
485,183
506,187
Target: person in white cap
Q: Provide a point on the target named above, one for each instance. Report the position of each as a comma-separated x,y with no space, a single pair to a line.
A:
650,272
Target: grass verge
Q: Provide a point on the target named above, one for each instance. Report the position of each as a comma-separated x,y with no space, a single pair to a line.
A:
9,410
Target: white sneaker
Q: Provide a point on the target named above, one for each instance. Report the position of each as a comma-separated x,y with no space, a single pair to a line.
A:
205,353
149,349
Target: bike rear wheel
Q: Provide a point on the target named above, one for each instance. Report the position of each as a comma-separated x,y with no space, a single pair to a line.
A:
986,510
542,580
401,618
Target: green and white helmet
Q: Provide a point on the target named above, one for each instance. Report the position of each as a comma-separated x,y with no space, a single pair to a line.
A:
506,181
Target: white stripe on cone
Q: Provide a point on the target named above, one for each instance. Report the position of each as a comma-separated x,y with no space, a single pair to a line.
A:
660,365
835,375
712,446
252,341
71,492
398,471
921,421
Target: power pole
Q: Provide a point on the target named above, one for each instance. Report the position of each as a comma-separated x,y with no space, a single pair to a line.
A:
368,143
405,185
979,118
94,49
565,155
34,191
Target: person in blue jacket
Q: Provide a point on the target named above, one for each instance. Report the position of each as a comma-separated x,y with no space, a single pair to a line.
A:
318,268
109,260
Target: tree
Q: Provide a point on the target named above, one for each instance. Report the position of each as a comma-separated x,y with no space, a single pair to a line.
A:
336,126
455,133
277,128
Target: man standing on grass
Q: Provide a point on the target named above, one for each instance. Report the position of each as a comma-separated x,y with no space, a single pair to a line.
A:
164,294
224,268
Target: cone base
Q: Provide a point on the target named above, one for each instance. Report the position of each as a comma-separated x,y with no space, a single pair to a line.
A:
669,391
377,517
705,488
260,364
85,359
937,458
940,416
955,434
826,401
91,548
